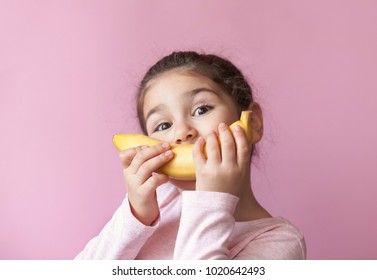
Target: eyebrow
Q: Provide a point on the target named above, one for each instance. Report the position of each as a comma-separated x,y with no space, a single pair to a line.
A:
191,94
197,90
156,109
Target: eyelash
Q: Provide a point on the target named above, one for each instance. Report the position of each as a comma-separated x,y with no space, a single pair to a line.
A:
207,107
159,125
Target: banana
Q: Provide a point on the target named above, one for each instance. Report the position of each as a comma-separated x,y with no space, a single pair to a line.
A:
182,166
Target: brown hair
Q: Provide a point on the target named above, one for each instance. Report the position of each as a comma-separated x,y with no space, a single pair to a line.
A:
218,69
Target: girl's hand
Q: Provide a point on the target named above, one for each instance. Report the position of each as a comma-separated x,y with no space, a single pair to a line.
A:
226,168
138,165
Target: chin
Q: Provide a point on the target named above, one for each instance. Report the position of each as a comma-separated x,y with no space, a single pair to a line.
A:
183,185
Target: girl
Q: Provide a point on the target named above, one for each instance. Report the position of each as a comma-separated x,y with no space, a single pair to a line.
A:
188,97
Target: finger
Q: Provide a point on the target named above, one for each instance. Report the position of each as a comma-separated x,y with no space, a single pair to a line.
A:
213,148
228,146
198,152
243,147
152,164
146,154
126,156
155,181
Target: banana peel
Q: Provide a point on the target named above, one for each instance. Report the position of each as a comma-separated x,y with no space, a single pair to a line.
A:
182,166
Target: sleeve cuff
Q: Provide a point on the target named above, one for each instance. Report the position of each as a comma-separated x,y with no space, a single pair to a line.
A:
209,200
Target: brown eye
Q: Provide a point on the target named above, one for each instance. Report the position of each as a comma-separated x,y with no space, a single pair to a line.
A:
163,126
202,110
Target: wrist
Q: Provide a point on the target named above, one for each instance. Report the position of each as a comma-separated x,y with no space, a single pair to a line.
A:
209,200
147,219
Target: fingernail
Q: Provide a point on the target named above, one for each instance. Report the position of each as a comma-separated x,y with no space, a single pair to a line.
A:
238,128
165,145
212,133
168,153
200,139
222,126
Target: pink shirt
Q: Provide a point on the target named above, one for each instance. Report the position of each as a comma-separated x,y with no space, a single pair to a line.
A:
195,225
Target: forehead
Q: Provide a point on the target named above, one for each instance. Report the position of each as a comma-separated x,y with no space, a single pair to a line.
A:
175,84
179,79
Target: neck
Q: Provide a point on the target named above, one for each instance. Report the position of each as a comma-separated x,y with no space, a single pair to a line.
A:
248,208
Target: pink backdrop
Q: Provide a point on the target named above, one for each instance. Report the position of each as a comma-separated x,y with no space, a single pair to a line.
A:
68,73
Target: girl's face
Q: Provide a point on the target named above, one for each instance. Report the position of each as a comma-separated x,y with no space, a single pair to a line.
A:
179,107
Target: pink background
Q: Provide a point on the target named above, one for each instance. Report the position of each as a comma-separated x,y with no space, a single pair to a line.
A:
68,74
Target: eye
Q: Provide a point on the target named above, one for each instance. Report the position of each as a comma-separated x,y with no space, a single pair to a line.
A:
202,110
162,126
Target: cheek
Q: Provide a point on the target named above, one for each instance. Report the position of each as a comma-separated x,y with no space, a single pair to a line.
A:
206,128
164,137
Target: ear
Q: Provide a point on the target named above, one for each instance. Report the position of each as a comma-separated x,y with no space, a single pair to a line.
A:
256,122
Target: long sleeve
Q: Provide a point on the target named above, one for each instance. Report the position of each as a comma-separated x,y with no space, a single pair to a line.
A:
195,225
121,238
206,225
268,239
207,230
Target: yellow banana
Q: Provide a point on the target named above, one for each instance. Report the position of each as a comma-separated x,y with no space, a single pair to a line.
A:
182,166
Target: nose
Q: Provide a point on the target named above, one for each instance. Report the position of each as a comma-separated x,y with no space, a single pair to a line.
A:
185,134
